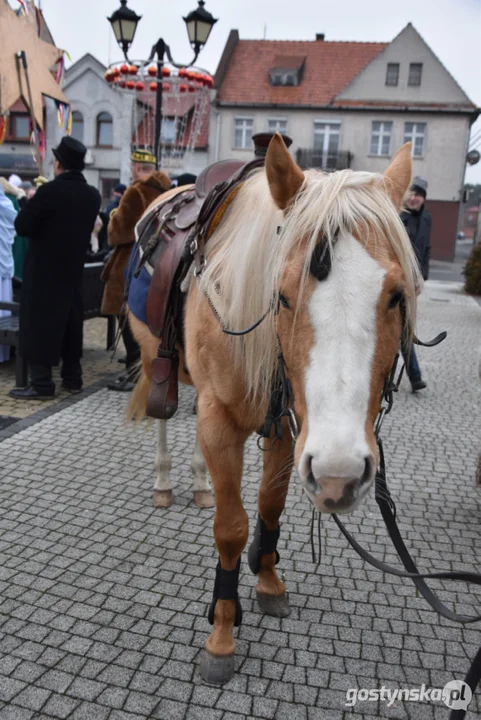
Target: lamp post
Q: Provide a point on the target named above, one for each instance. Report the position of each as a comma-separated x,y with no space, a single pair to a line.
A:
199,24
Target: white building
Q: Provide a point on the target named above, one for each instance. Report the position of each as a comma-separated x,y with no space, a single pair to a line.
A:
104,121
350,104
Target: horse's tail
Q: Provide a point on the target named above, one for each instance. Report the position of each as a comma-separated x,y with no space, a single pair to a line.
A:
138,401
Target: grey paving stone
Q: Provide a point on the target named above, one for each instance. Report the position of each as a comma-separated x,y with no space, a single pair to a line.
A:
140,703
60,706
90,711
16,713
32,697
85,689
55,680
9,688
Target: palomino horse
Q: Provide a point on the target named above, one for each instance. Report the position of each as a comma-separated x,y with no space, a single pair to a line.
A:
328,254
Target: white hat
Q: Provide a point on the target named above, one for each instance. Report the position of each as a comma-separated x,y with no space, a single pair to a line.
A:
15,180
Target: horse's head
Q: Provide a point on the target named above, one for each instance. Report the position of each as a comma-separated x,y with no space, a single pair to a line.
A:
347,272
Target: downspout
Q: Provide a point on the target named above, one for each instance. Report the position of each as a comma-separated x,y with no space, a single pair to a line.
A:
463,182
217,137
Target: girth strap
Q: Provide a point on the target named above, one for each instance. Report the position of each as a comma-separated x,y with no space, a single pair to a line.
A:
225,588
264,542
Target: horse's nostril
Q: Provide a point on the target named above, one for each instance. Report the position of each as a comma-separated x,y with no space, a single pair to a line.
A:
312,485
366,476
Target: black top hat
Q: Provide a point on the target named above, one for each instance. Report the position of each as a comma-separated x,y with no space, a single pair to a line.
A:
70,153
261,142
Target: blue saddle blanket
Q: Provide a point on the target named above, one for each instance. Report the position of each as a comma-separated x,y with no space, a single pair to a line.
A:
138,287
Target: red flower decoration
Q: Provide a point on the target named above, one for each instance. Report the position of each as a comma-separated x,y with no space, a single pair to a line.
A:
139,86
153,86
133,70
166,72
182,88
130,84
124,69
152,71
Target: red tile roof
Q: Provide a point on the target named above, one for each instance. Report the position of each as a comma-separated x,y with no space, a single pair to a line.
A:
329,67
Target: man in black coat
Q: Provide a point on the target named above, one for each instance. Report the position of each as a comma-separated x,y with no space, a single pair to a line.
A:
58,222
417,221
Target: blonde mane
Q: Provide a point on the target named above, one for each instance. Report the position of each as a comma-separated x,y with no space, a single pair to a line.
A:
247,254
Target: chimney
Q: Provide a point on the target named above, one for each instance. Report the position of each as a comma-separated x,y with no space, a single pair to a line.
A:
320,37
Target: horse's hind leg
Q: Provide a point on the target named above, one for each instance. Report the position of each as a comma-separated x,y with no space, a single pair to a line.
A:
203,496
222,443
263,556
162,494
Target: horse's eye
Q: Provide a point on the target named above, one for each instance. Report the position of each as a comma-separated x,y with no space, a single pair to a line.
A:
284,302
395,299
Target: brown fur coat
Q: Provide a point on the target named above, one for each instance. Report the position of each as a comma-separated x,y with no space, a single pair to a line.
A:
135,201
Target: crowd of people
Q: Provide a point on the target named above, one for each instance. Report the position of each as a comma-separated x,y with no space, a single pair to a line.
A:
48,230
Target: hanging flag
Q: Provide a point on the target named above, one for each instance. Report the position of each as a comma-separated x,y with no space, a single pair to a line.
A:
23,7
3,127
69,120
38,17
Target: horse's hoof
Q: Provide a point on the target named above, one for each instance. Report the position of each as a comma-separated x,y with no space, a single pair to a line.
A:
216,669
276,605
162,498
204,499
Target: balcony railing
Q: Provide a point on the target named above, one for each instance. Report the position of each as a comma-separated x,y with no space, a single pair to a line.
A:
326,161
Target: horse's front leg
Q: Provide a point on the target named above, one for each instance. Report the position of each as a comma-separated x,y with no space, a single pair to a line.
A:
222,443
263,555
162,494
203,496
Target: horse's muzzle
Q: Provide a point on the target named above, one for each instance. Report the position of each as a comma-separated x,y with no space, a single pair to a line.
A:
339,494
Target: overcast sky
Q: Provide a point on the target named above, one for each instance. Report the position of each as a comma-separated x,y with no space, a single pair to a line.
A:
452,28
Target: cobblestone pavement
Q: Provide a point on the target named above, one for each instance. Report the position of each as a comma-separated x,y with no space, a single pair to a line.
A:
96,366
104,600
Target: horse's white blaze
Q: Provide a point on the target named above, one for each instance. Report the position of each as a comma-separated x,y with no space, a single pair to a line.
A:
342,311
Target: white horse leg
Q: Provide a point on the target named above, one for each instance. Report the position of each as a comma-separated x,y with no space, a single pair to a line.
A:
203,496
162,495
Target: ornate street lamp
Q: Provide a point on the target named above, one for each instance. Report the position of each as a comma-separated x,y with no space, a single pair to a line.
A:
199,24
124,23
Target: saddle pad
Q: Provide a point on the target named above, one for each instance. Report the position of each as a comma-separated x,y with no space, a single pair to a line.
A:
138,287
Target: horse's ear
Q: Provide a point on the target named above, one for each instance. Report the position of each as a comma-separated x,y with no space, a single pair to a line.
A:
283,175
398,174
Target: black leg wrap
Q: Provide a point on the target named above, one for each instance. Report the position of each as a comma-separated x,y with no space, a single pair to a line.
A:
225,588
263,543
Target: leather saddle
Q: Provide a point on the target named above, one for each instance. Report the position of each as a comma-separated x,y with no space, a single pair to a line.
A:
166,240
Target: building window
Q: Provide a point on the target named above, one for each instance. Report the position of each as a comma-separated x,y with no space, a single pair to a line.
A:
415,72
284,77
20,127
169,130
381,138
105,130
243,128
77,126
107,185
277,125
326,144
415,132
392,74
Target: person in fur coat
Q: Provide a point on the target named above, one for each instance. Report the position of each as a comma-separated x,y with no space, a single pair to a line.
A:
148,184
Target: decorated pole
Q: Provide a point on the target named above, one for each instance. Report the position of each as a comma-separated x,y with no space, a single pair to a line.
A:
22,57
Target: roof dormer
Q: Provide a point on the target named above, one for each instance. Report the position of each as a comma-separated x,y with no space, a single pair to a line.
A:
287,71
